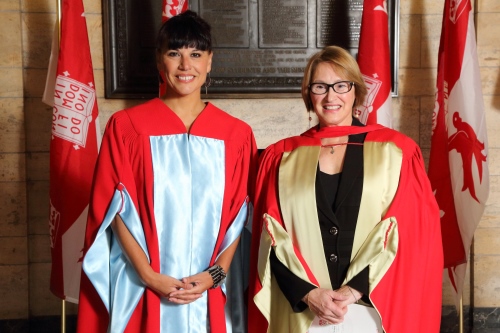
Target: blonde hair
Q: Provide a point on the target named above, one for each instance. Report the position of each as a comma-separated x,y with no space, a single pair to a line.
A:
344,65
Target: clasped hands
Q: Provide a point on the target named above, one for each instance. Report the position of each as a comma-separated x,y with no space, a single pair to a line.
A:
331,305
183,291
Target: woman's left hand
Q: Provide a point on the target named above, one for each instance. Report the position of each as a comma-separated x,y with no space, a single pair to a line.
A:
352,295
200,283
325,303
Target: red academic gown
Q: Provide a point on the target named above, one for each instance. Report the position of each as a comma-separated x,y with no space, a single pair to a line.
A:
398,216
126,163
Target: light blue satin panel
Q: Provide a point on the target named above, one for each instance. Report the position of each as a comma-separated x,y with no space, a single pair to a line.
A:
107,267
189,174
235,229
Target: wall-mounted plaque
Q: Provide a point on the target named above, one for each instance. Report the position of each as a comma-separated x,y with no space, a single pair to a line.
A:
260,46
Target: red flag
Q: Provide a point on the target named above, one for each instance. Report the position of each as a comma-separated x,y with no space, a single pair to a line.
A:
458,167
170,8
375,63
73,148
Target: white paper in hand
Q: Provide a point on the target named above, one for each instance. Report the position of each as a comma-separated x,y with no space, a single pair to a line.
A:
358,319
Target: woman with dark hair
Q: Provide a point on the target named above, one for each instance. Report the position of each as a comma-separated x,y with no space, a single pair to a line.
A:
169,201
346,232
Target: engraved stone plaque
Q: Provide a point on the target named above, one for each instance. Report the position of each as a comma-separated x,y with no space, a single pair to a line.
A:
261,47
229,21
283,24
334,16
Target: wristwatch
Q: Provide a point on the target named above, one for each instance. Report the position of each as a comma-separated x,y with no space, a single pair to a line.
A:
218,275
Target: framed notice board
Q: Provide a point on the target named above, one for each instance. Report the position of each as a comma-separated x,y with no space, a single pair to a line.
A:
260,46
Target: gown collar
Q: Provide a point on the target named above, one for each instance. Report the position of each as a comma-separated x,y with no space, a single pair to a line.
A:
336,131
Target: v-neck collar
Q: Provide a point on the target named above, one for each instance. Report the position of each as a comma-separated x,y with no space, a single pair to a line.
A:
353,166
204,113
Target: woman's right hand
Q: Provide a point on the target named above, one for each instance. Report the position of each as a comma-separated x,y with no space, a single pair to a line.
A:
164,284
324,303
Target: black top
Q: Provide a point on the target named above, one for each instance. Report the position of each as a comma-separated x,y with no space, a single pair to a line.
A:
330,185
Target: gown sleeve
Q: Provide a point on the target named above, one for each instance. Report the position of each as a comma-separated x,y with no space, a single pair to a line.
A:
243,178
293,287
361,284
240,179
419,258
112,175
265,194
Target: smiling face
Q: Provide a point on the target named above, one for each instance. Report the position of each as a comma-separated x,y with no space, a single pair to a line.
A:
332,109
185,70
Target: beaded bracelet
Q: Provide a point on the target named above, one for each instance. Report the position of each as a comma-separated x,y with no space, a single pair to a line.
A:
218,275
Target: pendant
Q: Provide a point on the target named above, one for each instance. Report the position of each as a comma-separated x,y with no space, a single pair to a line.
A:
332,151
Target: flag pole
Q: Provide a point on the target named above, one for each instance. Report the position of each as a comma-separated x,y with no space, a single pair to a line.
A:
59,15
63,316
461,316
471,286
475,9
59,11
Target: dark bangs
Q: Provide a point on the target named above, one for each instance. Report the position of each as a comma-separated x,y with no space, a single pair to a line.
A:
184,30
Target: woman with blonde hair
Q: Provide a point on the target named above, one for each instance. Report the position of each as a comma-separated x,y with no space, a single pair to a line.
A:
346,228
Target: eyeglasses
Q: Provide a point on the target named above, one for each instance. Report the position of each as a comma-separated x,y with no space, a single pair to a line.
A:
340,87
